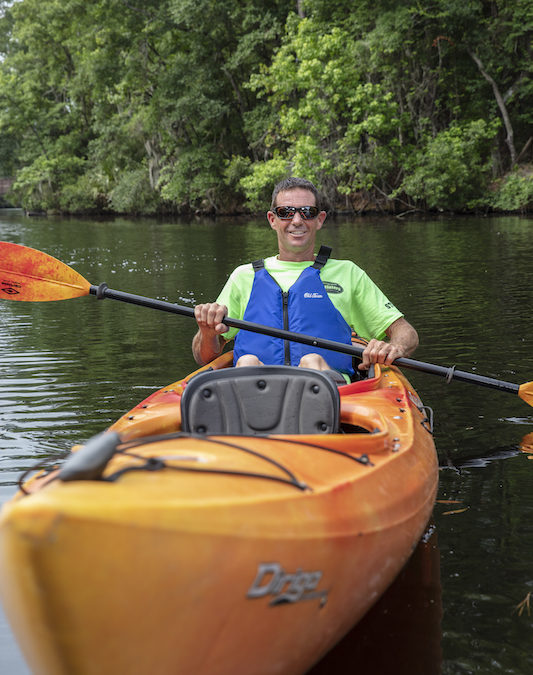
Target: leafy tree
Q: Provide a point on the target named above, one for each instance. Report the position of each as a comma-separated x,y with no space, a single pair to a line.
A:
515,191
175,105
452,170
334,126
414,79
223,42
154,87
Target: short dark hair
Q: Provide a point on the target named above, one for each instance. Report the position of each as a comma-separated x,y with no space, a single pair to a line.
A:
293,183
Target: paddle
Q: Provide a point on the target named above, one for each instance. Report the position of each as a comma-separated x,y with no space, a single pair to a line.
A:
30,275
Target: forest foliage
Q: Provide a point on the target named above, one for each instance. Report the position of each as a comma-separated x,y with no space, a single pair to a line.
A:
177,106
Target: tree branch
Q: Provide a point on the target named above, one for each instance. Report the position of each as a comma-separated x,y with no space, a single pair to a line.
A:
501,105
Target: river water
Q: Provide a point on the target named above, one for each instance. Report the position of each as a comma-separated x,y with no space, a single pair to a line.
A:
68,369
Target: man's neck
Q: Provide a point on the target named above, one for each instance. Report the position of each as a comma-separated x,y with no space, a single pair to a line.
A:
294,256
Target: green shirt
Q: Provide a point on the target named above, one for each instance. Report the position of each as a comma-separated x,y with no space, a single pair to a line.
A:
364,307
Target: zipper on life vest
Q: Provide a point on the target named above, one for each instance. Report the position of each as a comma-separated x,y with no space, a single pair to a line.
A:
286,344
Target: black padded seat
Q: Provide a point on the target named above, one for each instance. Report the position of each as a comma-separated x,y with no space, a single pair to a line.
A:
256,401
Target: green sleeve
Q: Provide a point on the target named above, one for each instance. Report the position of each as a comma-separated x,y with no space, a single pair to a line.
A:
372,311
235,295
360,301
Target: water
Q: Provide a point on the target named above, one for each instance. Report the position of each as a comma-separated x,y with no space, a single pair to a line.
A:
68,369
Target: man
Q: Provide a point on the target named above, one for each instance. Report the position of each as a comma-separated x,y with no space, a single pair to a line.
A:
294,290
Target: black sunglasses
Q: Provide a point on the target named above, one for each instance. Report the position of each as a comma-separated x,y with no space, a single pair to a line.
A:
288,212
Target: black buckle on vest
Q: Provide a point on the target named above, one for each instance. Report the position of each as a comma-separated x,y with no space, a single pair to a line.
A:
258,265
322,257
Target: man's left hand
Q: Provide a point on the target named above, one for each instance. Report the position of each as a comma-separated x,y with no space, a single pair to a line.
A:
378,351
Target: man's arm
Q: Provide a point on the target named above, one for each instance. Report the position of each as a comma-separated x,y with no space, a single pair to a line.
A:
208,342
402,341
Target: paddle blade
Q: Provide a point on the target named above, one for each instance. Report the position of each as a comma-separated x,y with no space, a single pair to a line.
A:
31,275
526,392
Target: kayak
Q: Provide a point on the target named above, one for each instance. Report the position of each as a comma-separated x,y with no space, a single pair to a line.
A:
236,521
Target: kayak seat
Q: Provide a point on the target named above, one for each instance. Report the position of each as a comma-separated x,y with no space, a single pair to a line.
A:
259,401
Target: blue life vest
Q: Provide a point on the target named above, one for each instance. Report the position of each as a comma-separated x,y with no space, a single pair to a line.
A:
305,308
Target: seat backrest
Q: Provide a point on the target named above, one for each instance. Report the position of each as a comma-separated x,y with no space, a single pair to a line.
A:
259,401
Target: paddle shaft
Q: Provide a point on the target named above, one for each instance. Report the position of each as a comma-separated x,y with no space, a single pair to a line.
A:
31,275
103,291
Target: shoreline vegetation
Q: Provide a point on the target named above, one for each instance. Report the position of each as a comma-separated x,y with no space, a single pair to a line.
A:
182,107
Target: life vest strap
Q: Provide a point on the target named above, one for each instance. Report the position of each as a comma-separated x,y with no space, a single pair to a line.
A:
322,257
258,265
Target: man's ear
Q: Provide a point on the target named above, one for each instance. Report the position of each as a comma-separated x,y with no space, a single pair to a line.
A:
271,217
321,218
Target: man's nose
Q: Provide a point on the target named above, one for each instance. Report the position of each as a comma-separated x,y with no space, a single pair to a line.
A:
297,218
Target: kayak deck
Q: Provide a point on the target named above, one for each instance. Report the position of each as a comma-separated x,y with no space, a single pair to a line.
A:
219,553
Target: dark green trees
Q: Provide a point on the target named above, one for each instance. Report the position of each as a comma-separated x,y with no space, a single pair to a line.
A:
182,105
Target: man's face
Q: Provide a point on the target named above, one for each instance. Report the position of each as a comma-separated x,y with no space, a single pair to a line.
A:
296,235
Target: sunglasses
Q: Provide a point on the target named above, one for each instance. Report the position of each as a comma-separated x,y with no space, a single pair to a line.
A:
288,212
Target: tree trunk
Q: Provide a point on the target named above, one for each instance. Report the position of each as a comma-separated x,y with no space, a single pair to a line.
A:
509,139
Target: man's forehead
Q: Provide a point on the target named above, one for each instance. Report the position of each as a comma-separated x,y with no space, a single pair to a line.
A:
295,197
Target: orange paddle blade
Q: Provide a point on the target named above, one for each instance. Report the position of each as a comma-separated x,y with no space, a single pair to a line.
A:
526,392
28,274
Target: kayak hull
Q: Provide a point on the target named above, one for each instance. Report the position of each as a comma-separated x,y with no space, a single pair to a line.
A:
233,554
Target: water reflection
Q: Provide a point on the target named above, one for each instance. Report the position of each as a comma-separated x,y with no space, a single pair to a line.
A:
494,455
401,634
527,443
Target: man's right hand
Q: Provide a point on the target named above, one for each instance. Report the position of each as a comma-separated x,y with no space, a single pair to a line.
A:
207,344
210,317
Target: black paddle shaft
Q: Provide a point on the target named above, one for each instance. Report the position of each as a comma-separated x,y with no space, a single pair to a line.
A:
102,291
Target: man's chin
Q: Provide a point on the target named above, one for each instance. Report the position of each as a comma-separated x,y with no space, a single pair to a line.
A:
298,243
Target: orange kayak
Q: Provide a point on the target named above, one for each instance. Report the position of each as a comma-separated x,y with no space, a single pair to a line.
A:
233,522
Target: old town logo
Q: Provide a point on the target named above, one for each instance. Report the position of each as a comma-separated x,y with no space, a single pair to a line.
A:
10,287
332,287
282,587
